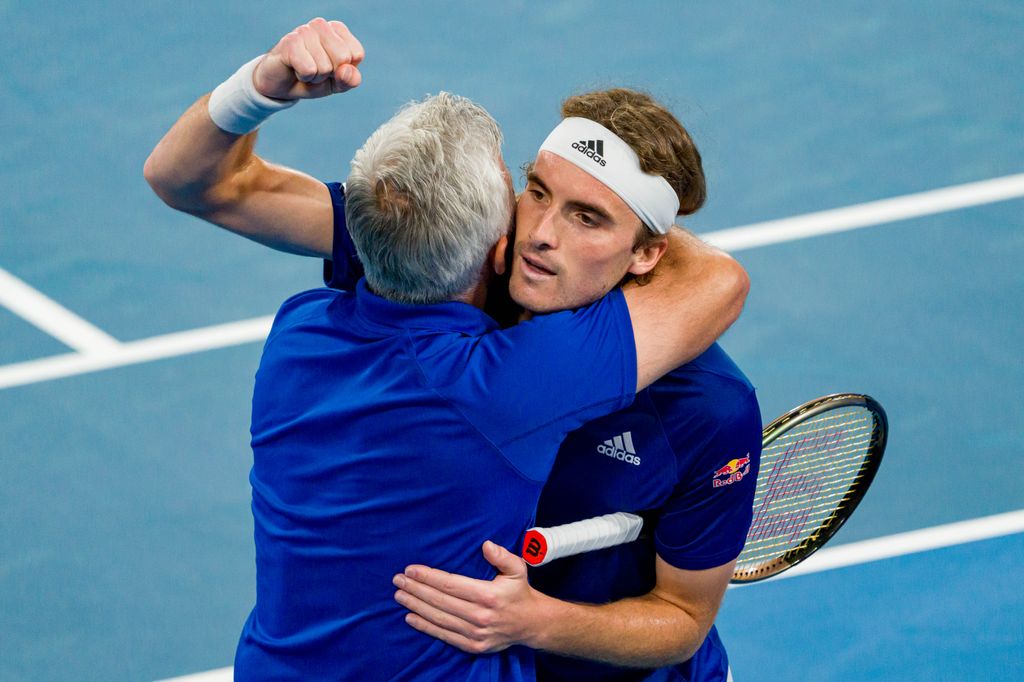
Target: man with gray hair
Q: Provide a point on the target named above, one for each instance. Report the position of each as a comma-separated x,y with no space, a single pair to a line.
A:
396,422
421,241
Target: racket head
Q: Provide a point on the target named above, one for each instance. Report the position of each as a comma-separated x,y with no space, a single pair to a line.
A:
817,462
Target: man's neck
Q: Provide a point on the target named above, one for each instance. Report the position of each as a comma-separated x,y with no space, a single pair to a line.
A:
476,297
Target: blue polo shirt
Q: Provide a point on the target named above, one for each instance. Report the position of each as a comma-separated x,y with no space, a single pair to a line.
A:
385,434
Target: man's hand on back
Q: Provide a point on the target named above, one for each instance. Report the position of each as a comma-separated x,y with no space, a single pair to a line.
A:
477,616
317,59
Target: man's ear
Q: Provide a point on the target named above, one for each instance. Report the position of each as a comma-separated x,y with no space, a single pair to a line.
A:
498,256
646,257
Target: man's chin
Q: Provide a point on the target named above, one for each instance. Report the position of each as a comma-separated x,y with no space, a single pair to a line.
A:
538,303
531,300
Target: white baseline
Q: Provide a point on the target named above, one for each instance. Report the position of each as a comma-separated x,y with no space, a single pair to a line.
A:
52,318
97,351
866,215
135,352
888,547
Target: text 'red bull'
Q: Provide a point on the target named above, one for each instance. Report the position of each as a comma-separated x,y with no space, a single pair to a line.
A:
732,472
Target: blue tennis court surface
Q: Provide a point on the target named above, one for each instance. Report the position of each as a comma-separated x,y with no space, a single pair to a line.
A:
126,529
952,614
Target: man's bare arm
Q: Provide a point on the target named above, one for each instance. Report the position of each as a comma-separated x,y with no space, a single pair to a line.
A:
663,627
695,293
203,170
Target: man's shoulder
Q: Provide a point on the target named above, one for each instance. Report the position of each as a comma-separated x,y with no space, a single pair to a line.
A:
312,299
704,404
304,306
711,386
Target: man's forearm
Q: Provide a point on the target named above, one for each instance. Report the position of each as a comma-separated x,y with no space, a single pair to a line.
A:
643,632
665,626
710,285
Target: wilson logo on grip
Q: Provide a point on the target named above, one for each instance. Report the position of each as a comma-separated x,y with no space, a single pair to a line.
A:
535,547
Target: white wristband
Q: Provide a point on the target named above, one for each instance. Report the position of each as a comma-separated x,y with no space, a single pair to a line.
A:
237,107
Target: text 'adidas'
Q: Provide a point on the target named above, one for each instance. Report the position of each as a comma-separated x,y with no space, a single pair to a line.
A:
621,448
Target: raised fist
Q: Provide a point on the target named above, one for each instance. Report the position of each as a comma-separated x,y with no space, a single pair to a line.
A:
315,60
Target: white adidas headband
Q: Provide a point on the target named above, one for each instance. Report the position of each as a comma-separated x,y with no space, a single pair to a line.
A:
593,148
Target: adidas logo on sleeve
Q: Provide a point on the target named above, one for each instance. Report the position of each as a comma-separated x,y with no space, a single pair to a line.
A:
620,448
593,149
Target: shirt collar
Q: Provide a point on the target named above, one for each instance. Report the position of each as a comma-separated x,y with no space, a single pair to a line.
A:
449,316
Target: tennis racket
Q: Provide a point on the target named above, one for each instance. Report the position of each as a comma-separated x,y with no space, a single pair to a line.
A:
817,461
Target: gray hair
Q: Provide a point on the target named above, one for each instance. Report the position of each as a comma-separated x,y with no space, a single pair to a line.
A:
427,199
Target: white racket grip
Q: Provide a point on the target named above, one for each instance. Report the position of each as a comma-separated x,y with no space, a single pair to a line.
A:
542,545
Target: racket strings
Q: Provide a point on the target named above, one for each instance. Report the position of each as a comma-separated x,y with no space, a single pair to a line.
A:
799,488
821,422
769,543
830,500
848,445
824,471
811,470
790,535
771,546
830,486
833,464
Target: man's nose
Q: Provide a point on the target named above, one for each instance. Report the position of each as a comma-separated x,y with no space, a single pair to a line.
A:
544,233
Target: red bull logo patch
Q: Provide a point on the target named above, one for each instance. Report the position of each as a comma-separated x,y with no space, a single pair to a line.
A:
732,472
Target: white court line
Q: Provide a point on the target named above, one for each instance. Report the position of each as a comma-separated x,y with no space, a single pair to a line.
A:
912,542
733,239
52,318
888,547
218,675
869,214
135,352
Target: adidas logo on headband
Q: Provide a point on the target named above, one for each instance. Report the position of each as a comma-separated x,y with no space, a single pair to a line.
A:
591,148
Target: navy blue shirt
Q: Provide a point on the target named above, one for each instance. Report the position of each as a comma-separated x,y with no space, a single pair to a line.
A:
659,456
385,434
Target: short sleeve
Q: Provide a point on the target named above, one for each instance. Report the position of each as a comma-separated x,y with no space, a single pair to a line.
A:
344,268
705,522
525,388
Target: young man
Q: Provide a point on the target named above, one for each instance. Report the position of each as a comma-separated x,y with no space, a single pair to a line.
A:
382,426
641,611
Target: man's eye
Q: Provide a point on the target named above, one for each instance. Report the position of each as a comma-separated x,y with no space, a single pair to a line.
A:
535,194
586,219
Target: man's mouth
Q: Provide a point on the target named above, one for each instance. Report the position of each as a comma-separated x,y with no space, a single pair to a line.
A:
534,266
